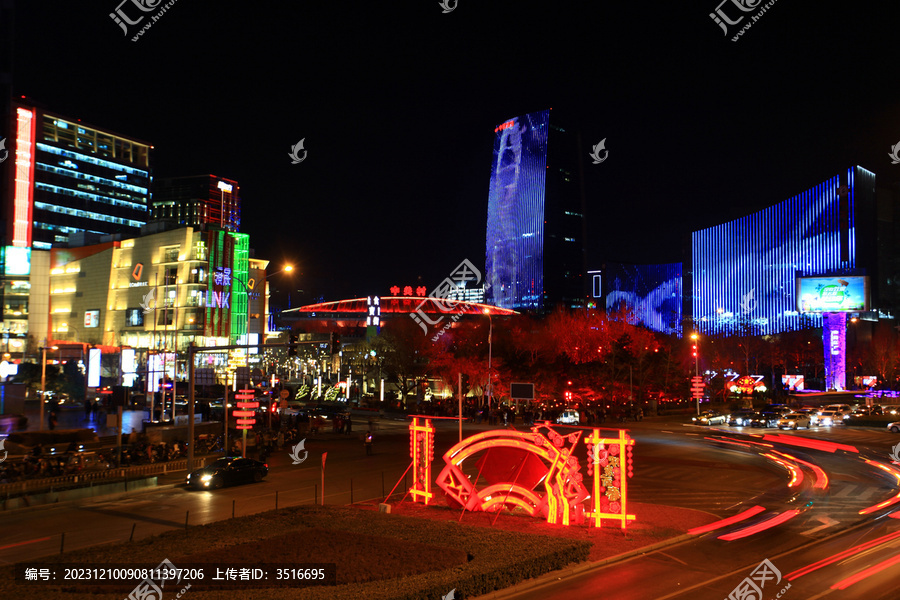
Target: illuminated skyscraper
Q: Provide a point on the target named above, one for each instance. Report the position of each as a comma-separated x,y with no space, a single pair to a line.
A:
534,256
198,201
71,178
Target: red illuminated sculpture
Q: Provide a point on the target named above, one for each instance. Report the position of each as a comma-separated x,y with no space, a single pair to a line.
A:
537,471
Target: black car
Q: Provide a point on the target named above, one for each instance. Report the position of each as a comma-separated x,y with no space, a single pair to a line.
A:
747,418
227,471
770,419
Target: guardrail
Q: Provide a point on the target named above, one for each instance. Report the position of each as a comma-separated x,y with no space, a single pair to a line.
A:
99,475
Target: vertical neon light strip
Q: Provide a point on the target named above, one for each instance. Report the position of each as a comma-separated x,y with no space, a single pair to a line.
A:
23,200
240,298
763,253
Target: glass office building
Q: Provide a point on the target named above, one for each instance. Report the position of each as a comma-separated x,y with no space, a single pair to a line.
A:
71,178
647,295
534,257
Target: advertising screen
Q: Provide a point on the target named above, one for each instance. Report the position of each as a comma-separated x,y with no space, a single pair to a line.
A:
134,317
832,294
92,318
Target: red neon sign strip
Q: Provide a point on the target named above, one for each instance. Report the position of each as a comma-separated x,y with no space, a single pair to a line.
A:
750,512
761,526
23,198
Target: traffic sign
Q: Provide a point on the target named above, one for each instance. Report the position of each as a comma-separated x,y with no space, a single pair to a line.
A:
285,394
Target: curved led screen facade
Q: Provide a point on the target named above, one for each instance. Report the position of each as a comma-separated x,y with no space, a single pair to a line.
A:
744,272
514,258
649,295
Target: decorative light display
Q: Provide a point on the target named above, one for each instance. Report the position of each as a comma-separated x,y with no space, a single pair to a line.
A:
537,471
649,295
421,450
245,418
744,271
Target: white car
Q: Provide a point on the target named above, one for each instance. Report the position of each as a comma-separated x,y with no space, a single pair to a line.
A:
894,427
793,421
568,417
828,418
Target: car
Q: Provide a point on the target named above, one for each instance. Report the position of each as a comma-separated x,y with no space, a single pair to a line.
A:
709,417
812,413
894,427
741,417
793,421
568,417
770,419
828,418
227,471
891,410
844,409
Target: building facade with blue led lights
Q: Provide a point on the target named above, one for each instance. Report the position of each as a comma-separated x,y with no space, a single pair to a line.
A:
743,273
534,257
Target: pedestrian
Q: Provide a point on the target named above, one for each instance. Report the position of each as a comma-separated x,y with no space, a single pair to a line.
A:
280,440
52,420
368,443
95,408
349,425
87,408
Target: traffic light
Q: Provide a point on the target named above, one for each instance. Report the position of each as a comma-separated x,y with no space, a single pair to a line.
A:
694,347
335,344
292,349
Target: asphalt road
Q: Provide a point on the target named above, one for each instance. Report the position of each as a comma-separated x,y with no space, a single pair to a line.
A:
674,464
828,526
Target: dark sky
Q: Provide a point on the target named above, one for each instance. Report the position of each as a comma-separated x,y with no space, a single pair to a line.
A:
397,103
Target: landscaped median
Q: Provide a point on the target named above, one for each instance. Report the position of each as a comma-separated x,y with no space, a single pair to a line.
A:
378,556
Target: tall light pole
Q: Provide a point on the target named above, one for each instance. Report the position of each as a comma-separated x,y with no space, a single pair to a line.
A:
44,380
487,311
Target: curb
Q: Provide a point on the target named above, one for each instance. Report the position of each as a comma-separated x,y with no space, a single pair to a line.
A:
89,500
579,569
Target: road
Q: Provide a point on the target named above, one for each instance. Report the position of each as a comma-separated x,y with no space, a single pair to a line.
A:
675,464
828,526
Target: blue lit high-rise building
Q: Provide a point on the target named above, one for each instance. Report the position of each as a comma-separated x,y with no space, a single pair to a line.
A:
743,273
534,256
72,178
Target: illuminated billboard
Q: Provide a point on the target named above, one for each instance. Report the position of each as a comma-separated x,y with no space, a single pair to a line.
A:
92,318
514,257
16,261
833,294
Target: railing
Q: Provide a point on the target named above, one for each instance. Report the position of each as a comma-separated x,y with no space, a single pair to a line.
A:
74,479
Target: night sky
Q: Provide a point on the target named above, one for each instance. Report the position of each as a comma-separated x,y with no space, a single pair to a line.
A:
397,103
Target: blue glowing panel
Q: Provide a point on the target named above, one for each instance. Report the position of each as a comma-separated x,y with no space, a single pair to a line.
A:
648,295
744,271
514,262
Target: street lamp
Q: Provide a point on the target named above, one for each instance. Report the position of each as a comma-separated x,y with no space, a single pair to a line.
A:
487,311
44,380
